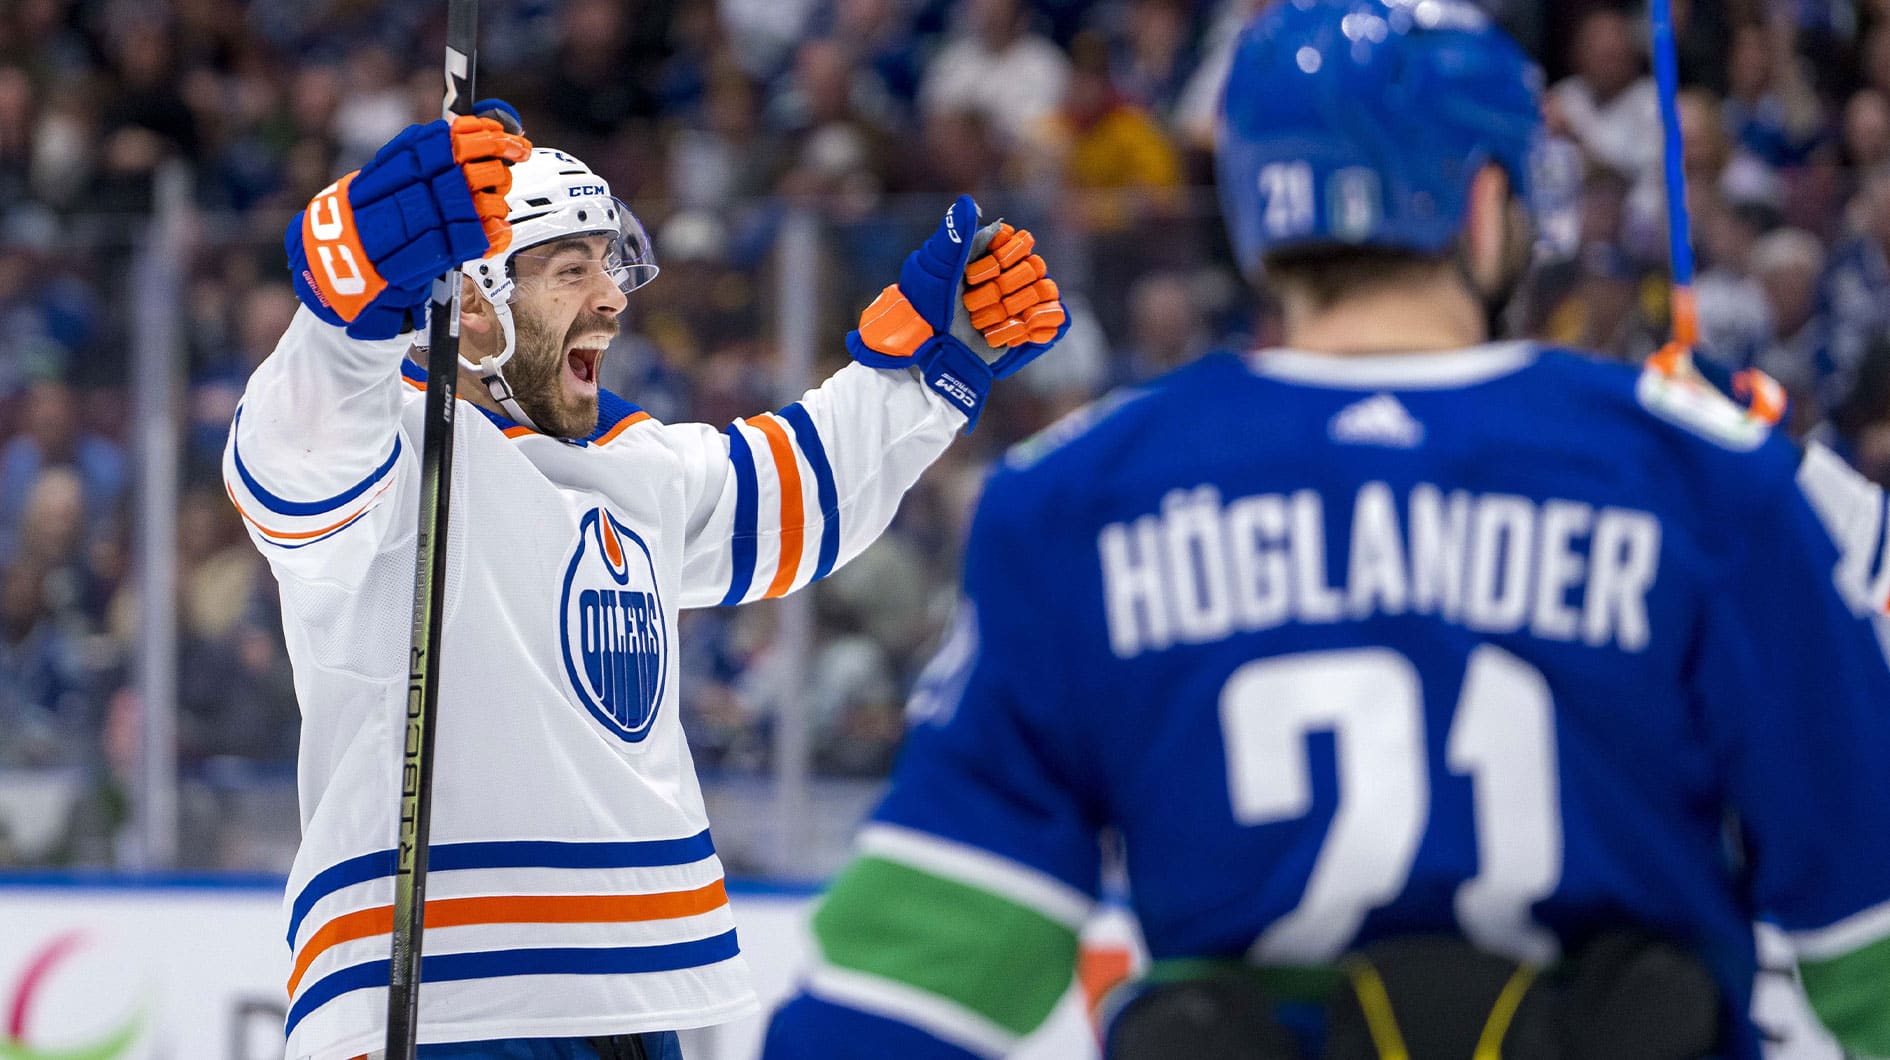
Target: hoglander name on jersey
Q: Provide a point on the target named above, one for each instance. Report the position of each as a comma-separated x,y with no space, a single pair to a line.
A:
611,624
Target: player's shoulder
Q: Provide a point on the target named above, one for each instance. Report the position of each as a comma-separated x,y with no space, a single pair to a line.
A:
1701,416
1104,436
1092,432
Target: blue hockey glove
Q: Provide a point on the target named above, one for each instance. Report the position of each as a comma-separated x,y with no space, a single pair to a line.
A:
366,250
965,318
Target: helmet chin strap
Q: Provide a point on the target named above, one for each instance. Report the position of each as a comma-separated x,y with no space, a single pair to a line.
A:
492,369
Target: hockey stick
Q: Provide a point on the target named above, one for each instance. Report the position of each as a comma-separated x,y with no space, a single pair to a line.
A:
1763,397
429,593
1685,311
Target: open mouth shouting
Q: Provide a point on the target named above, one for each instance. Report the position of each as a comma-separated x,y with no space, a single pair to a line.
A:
581,361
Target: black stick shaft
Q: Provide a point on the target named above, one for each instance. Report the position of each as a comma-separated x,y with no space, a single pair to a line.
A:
429,594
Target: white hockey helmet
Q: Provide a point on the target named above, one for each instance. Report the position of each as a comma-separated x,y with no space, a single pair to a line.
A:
554,196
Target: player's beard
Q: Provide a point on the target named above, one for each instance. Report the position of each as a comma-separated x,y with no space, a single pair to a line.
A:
536,372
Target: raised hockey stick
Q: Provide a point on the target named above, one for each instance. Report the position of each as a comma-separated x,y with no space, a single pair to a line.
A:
429,593
1685,311
1763,397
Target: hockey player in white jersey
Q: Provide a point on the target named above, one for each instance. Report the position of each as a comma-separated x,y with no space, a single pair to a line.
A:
576,904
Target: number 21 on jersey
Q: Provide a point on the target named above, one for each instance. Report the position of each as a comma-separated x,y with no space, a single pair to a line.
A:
1502,737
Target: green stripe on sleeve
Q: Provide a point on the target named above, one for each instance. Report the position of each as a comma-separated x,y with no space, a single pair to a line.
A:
1004,961
1851,995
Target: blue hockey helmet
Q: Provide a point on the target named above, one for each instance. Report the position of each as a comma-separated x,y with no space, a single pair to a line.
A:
1363,122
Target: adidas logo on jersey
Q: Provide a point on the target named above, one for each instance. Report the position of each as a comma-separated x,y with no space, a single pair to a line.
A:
1377,420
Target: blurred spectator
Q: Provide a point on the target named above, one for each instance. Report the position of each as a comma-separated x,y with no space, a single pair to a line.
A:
1197,107
1734,324
261,315
995,67
1770,106
1152,55
53,436
52,661
236,694
1861,424
875,31
1166,328
1854,295
147,121
372,108
842,120
1867,131
594,84
1105,148
959,153
725,154
1609,104
1787,263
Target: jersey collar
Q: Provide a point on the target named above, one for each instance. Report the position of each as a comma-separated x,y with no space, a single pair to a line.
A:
1371,371
611,410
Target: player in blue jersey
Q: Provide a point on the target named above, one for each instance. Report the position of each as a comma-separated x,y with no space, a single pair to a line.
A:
1447,697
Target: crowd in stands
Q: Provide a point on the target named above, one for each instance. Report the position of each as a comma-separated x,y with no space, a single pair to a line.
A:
1091,121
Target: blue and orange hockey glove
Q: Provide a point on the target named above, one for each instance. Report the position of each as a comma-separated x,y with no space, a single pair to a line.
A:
365,252
972,306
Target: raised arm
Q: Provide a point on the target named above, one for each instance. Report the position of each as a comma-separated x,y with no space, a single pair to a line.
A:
316,453
779,500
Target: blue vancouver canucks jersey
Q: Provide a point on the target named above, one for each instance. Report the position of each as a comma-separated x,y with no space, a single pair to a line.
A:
1503,642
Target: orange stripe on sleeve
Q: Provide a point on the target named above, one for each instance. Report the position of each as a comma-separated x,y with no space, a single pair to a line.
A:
793,518
513,909
285,535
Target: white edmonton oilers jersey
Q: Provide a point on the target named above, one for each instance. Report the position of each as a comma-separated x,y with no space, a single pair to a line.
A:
574,889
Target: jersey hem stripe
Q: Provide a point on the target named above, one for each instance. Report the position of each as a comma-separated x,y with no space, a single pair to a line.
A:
504,854
1848,935
493,964
281,506
747,523
979,869
940,1017
809,438
512,909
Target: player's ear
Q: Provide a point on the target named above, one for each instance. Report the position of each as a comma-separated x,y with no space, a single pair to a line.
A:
1488,229
475,313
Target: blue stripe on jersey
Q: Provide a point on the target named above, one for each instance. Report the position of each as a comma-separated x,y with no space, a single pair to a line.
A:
505,854
493,964
286,507
742,544
816,454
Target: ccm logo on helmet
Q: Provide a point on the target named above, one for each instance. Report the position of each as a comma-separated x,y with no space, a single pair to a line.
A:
614,636
583,190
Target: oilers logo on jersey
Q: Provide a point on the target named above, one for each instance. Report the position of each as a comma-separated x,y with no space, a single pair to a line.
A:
611,624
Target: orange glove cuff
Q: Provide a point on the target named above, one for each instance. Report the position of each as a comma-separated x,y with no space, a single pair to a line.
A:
338,266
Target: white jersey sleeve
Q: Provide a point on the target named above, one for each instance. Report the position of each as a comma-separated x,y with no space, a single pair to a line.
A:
779,500
316,461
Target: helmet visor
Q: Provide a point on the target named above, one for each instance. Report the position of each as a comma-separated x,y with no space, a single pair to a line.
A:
621,252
